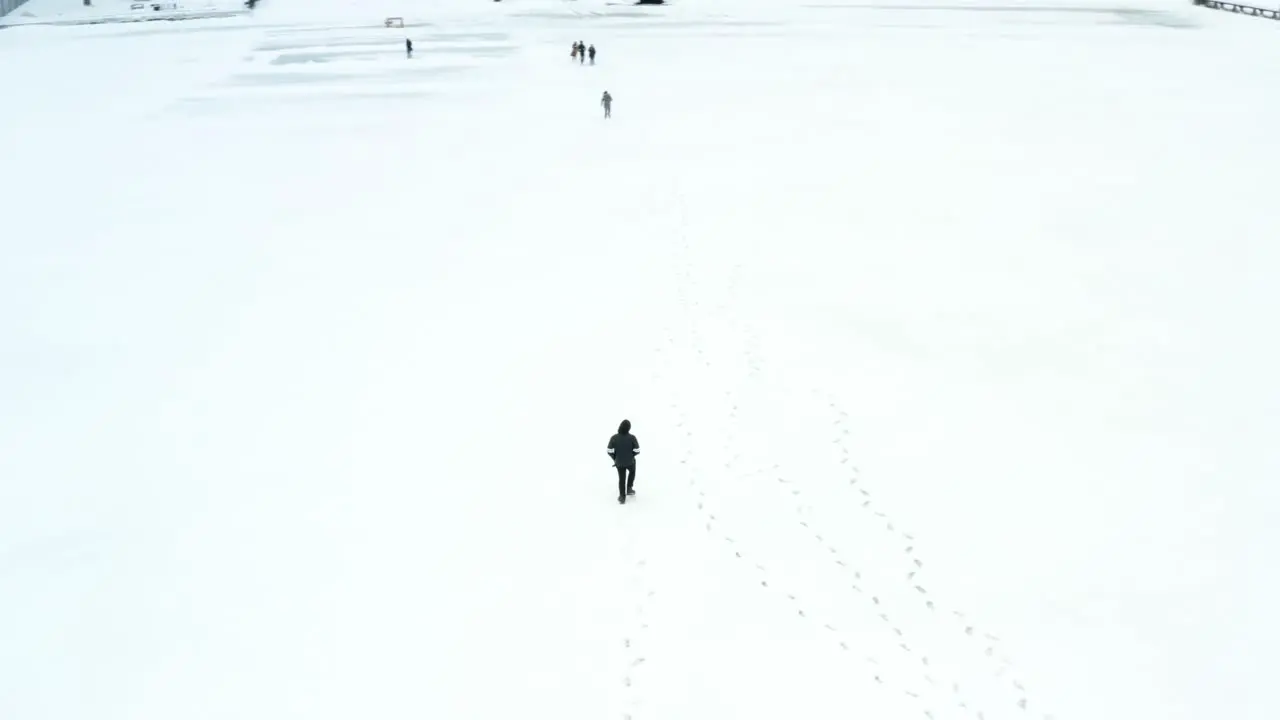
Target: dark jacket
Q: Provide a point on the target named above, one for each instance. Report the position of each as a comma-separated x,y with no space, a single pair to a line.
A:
624,446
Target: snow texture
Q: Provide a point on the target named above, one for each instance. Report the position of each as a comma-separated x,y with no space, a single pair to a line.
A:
945,329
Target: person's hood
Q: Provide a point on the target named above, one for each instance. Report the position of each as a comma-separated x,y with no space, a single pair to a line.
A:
625,427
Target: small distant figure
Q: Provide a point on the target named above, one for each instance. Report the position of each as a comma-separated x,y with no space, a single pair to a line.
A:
607,102
582,52
591,53
623,448
408,47
576,49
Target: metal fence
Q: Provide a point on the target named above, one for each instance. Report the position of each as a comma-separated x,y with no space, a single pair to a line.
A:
8,6
1238,8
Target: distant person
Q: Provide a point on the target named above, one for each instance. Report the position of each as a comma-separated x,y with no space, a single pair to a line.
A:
607,102
574,53
408,47
591,52
623,448
582,52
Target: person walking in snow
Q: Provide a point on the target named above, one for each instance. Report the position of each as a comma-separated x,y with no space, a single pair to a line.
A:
607,102
623,448
408,47
582,52
591,53
574,53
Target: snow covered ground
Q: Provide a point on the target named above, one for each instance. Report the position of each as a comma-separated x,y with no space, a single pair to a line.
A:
946,332
76,12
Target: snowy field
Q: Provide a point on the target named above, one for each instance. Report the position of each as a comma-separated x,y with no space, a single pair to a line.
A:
946,332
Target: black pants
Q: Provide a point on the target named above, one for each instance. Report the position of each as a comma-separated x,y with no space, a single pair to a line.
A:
626,479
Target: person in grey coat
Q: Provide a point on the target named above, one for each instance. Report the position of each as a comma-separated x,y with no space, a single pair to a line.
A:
623,448
607,101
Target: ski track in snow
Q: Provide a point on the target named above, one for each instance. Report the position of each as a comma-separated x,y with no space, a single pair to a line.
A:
914,566
916,617
705,501
640,593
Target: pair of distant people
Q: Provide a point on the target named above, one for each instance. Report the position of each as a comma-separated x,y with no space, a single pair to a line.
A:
582,52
